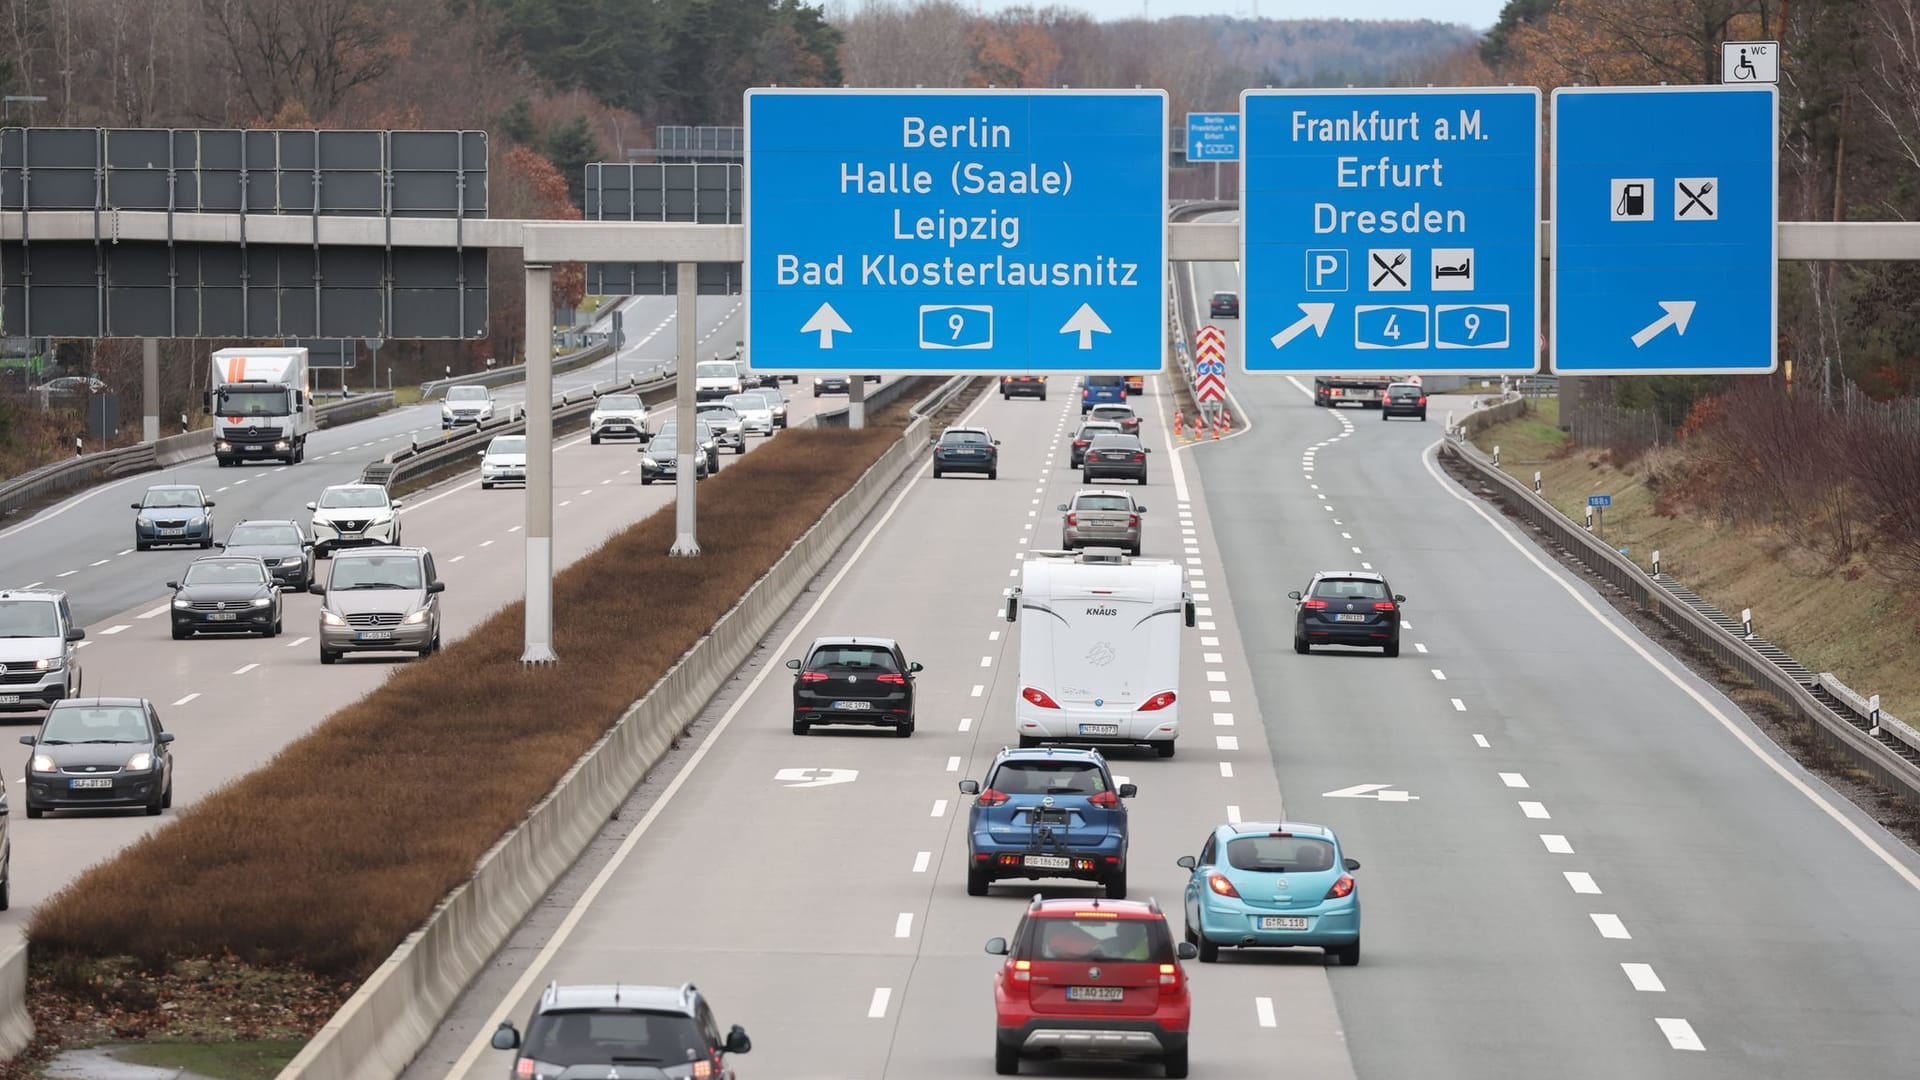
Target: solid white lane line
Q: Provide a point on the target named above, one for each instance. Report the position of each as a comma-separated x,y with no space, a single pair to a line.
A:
1263,1008
978,690
297,642
966,723
244,669
920,861
1481,742
1679,1033
1643,978
1233,814
1556,843
1535,810
1226,742
1513,779
878,1010
1581,882
1223,719
939,808
953,763
1226,770
186,699
1459,706
1610,926
903,925
117,629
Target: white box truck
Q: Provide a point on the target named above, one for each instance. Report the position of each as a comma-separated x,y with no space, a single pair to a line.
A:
1099,648
262,405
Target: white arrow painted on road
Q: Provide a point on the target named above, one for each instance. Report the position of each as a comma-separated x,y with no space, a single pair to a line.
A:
1678,313
1086,323
826,322
1313,315
815,777
1369,791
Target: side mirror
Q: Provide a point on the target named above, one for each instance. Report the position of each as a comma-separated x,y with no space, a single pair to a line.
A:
1013,609
316,588
1138,509
1186,950
482,453
969,787
915,668
397,504
1351,864
76,634
737,1041
166,736
1294,595
221,544
313,506
997,946
1063,508
996,442
174,585
306,545
1128,791
208,505
505,1037
29,740
793,665
436,586
1187,608
1186,862
136,506
1398,599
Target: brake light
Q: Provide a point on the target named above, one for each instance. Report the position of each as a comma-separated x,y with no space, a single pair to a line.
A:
1169,974
1423,399
1384,605
1106,799
892,679
1343,887
813,676
1133,521
1021,970
1086,391
1079,442
1073,519
1158,701
1038,697
1140,455
1221,886
1314,605
702,1070
523,1069
990,797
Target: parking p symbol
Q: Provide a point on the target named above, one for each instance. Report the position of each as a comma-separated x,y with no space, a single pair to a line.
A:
1326,270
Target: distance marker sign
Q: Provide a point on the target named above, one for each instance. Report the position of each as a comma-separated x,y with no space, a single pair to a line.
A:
1391,231
956,231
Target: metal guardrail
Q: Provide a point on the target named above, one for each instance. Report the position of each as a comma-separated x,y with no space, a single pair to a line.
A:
513,373
1885,750
886,394
937,400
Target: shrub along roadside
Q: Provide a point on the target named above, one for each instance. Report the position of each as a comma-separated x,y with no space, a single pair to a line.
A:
328,856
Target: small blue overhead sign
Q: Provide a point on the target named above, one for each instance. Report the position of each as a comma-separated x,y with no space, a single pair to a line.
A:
1391,231
956,231
1665,212
1213,136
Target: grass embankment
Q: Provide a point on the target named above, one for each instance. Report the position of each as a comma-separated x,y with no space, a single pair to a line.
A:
311,870
31,437
1845,619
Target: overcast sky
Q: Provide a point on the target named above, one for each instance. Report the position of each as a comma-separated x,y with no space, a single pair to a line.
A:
1479,14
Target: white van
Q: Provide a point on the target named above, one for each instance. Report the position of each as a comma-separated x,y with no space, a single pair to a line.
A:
715,379
1099,648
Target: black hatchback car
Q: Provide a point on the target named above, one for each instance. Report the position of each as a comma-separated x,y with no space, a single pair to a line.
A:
1117,457
1347,607
854,680
100,752
973,450
226,594
1224,305
1404,399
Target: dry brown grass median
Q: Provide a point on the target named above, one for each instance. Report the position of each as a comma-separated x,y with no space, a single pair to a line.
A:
327,857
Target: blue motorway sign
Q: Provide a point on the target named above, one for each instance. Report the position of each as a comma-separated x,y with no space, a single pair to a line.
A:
1391,231
956,231
1599,501
1665,207
1213,136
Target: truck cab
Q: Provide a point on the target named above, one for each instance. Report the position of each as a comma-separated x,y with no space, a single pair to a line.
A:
261,404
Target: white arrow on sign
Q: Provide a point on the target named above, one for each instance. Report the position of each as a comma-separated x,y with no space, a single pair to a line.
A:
1369,791
815,777
826,322
1314,315
1086,323
1678,313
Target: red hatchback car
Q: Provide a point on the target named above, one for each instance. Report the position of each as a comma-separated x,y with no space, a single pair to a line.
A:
1092,979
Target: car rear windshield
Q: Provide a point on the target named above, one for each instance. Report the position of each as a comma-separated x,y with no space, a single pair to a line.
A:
1114,442
1280,854
112,724
1106,380
1104,502
1105,427
264,536
1113,412
1349,589
626,1036
375,572
620,402
1224,296
29,619
173,497
225,572
965,438
1049,778
855,658
1093,938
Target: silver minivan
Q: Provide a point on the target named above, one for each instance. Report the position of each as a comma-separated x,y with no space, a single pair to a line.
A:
37,651
380,600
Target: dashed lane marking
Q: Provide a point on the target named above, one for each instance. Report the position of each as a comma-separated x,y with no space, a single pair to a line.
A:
1556,844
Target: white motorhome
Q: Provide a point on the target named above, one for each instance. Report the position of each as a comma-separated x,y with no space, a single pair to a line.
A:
262,405
1099,648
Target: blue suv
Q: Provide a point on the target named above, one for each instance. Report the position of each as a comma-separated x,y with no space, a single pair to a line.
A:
1050,812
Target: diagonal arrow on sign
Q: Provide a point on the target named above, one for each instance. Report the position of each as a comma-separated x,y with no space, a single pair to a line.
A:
1312,315
1678,314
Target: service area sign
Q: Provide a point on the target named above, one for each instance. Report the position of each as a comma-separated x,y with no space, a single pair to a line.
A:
1665,249
1213,137
1391,231
956,231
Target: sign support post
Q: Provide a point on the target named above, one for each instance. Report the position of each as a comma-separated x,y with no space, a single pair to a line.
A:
539,604
856,401
150,389
686,313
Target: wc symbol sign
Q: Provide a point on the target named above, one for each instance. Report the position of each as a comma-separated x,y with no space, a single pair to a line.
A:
1326,270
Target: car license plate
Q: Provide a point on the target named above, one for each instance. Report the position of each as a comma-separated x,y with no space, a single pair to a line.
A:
1099,729
1349,618
1095,993
173,532
9,699
91,782
1283,922
853,706
221,616
376,635
1048,862
254,446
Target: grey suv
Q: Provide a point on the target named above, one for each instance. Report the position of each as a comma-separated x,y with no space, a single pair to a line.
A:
623,1031
36,650
380,600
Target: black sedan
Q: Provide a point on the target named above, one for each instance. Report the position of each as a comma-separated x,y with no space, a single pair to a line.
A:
1347,607
973,450
660,460
1224,305
1116,457
853,680
225,594
100,752
280,544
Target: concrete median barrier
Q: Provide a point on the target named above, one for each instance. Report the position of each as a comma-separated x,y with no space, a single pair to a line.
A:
16,1024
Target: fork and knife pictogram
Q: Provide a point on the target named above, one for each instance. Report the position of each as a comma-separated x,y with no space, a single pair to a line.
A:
1389,269
1695,198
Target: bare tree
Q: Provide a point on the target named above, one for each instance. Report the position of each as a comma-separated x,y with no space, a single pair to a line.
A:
891,43
309,54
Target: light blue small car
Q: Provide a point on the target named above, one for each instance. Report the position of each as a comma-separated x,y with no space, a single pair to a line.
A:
1272,885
